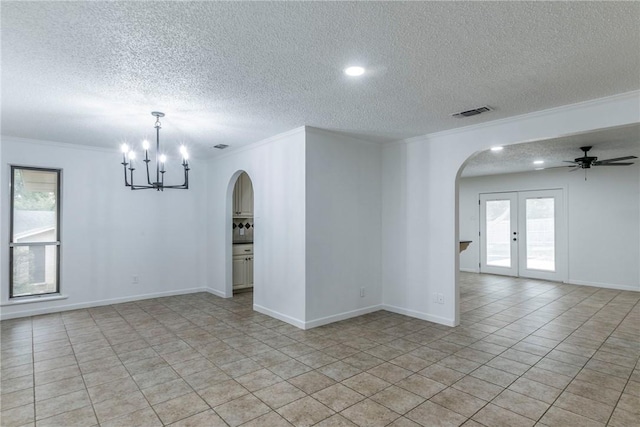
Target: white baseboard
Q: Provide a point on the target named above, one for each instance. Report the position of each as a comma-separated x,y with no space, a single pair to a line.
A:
287,319
341,316
317,322
585,283
604,285
67,307
470,270
217,293
420,315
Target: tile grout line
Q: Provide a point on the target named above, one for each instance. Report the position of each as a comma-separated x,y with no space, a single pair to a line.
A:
628,379
484,364
401,330
180,376
73,350
522,375
125,367
585,364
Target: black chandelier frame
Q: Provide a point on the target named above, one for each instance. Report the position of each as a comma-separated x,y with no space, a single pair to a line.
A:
158,184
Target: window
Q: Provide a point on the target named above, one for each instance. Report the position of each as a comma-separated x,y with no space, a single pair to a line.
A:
34,248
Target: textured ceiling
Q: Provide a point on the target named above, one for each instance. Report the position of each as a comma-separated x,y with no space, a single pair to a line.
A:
237,72
607,144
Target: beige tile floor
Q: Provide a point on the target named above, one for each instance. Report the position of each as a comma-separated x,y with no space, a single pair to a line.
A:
527,353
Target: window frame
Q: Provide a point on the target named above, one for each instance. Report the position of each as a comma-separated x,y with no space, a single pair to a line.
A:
57,242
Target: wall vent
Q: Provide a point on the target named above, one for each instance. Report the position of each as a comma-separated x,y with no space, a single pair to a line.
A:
472,112
220,146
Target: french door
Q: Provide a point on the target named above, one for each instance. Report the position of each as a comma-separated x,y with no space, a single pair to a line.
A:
522,234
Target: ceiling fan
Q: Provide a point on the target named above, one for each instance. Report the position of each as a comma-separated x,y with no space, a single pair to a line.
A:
587,161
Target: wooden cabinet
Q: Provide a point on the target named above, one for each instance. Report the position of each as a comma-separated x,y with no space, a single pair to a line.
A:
242,266
243,197
239,272
248,267
242,272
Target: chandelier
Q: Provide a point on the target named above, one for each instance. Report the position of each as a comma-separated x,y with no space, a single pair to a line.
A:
161,159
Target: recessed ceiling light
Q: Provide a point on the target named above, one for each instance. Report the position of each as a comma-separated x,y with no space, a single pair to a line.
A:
538,162
354,71
496,148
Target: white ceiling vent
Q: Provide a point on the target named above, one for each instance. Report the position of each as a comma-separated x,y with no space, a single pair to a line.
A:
220,146
472,112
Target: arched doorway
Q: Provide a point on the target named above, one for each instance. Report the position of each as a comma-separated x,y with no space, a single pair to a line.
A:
240,227
535,229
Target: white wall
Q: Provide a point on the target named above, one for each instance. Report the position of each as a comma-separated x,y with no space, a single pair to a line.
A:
420,191
108,232
603,220
343,208
180,241
277,170
317,204
409,218
3,218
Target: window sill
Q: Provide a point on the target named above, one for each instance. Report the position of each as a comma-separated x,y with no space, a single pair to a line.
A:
29,300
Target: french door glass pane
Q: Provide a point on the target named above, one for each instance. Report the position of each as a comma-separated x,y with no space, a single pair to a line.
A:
540,231
34,269
498,217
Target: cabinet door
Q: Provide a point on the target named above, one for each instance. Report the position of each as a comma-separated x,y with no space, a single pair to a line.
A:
246,195
237,190
239,271
249,270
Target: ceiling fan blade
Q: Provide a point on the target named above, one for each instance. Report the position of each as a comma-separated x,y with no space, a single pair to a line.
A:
575,169
599,162
558,167
613,164
570,161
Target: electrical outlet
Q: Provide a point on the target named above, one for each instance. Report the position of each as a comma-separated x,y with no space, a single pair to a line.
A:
362,292
440,298
135,279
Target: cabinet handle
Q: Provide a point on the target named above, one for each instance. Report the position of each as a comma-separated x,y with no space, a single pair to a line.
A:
247,250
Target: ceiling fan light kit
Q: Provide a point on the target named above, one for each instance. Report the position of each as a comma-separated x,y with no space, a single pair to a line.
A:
158,184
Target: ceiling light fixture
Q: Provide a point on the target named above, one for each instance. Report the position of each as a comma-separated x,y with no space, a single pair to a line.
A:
161,159
354,71
496,148
538,162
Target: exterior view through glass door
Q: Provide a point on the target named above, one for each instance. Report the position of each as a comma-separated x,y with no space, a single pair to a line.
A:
521,232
